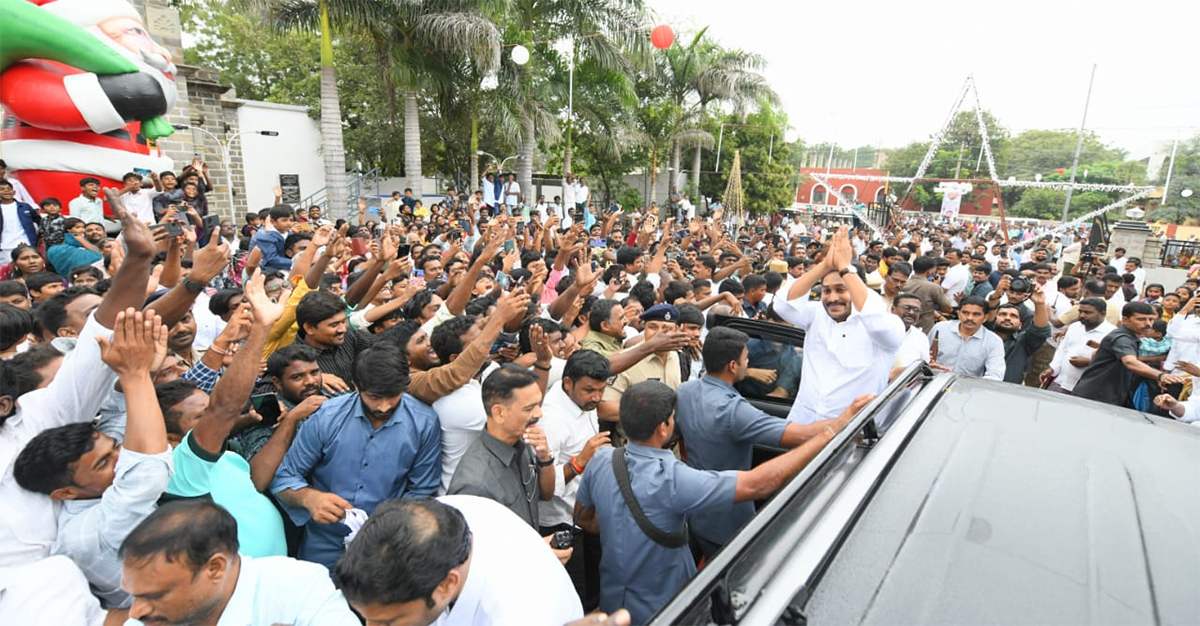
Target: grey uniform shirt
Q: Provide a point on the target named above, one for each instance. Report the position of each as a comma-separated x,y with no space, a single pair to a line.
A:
720,428
507,474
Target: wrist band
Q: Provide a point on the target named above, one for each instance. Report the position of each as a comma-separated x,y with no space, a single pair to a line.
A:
219,351
575,466
544,368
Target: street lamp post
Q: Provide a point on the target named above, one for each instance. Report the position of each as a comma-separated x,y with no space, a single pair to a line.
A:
226,160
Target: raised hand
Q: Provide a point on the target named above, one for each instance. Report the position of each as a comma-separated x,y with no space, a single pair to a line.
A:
266,312
137,340
322,236
138,237
209,261
512,305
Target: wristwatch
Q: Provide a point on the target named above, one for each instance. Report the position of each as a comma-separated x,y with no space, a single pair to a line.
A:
541,463
192,286
846,270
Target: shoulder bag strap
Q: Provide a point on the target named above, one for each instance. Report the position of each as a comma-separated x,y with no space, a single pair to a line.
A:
668,540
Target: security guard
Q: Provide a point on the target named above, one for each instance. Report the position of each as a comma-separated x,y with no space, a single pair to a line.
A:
644,486
661,366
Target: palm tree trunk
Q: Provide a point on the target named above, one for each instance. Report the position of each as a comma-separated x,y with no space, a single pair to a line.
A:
525,160
676,158
696,173
332,149
412,144
473,182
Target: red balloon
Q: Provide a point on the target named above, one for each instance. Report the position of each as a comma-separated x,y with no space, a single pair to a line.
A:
1062,171
662,36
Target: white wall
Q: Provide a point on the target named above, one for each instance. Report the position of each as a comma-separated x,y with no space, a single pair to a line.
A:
297,150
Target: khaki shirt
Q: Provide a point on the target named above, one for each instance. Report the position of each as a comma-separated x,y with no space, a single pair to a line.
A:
601,343
649,368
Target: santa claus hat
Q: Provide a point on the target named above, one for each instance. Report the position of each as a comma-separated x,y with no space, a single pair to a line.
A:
89,12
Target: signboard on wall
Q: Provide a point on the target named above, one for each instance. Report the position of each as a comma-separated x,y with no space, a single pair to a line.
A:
290,184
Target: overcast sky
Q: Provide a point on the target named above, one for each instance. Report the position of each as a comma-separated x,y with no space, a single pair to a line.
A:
887,72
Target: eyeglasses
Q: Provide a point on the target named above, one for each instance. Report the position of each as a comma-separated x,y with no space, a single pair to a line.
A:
909,309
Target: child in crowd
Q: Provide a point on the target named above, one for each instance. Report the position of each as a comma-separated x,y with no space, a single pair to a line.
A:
1154,347
52,222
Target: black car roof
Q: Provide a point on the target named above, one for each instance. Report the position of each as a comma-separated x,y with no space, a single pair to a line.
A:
989,502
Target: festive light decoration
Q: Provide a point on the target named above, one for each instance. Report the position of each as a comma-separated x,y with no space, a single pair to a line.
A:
1079,221
845,202
1010,182
662,36
520,54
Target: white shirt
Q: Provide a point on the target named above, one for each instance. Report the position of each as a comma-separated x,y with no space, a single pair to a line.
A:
208,326
87,210
49,591
1185,341
568,195
489,192
28,520
462,416
22,194
514,577
568,429
140,204
841,360
689,209
581,194
914,348
1139,279
13,234
512,195
282,590
1074,343
956,280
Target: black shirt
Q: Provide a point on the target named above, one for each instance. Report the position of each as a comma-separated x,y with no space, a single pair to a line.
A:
339,360
1107,380
507,474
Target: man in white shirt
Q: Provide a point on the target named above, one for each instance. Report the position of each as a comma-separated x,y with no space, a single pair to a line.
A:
460,412
573,434
139,202
1078,346
18,222
1133,265
28,524
168,586
582,194
488,184
454,560
568,194
851,339
957,275
88,206
512,193
916,343
689,209
21,193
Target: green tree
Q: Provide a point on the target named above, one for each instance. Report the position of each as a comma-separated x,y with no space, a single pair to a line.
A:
1046,151
1185,176
768,180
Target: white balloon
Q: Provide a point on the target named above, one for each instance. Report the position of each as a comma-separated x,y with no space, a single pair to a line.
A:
520,55
1187,193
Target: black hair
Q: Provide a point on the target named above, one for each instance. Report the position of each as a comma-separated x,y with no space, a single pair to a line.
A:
690,314
188,532
975,301
171,394
1094,287
941,262
1111,277
52,314
773,279
733,286
50,200
88,179
627,255
294,238
285,356
645,293
381,371
446,339
15,324
417,303
71,222
80,270
404,551
1160,326
1136,308
723,346
754,281
600,312
499,386
281,210
13,288
905,296
316,307
478,307
219,303
701,283
922,265
901,267
37,281
328,281
549,327
45,464
400,334
643,407
675,290
587,364
26,365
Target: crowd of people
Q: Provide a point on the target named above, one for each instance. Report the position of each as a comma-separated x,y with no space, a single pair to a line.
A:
480,411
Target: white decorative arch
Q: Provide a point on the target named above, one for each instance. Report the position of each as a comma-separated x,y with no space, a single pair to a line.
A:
824,191
853,188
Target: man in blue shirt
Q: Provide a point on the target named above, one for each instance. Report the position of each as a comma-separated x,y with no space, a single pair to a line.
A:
636,571
720,428
358,450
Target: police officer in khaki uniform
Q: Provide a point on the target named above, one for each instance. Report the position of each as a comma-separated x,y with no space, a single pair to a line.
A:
661,366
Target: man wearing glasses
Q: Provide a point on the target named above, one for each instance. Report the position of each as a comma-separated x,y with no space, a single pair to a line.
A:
510,462
907,307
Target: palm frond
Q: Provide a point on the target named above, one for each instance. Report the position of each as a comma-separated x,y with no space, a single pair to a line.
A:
464,33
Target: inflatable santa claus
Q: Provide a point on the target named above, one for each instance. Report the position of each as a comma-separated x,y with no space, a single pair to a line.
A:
84,89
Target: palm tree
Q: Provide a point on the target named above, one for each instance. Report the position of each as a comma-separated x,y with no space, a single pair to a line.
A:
417,43
701,74
601,29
